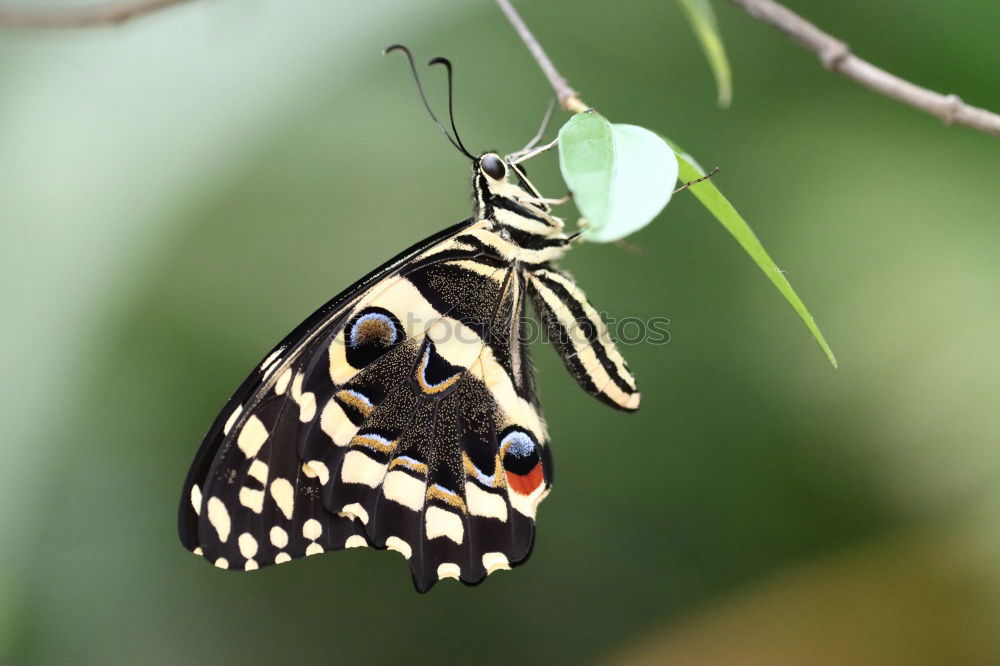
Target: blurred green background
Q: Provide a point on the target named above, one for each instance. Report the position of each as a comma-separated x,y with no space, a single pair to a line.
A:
179,192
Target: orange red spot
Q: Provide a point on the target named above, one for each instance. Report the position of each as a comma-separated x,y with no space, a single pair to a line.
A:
525,484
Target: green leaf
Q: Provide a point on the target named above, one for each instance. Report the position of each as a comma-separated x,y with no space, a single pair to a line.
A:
719,206
702,18
621,176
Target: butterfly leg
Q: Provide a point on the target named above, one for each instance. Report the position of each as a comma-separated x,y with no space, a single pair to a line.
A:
534,152
548,202
538,136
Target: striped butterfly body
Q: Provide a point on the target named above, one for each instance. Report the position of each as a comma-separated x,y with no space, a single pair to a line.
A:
402,415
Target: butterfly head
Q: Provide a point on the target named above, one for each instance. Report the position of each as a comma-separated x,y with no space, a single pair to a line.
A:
505,196
492,178
512,204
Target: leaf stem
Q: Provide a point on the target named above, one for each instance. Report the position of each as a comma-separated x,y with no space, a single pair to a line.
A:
569,99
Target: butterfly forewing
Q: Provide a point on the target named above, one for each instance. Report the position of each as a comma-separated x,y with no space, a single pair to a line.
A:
327,318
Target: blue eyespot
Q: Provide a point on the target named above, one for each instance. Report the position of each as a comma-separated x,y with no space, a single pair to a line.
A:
373,327
518,444
370,334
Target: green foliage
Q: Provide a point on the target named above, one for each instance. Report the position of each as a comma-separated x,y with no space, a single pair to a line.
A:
702,18
710,196
621,176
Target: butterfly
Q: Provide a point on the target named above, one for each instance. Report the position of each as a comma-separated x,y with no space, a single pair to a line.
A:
403,413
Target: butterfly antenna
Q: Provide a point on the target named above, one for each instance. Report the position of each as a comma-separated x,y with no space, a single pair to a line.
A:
423,97
451,106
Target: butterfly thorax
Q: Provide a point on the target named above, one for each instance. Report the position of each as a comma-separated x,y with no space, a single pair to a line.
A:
510,207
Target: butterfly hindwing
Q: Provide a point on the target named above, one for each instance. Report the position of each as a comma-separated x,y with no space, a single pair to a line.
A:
407,472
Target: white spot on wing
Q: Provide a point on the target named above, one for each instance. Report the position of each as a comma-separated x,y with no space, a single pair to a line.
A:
281,558
282,382
196,499
398,545
266,366
198,551
218,516
251,565
355,510
222,563
232,419
334,422
312,529
306,401
495,561
279,537
284,496
258,470
527,504
440,522
252,499
307,407
248,545
355,541
402,488
318,469
448,570
485,504
455,342
252,437
313,549
359,468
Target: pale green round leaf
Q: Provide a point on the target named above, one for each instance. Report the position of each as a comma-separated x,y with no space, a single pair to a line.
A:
621,176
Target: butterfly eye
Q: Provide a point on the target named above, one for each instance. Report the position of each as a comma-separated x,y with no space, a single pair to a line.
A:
493,167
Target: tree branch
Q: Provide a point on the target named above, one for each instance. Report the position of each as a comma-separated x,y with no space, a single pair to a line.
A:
106,13
836,56
568,98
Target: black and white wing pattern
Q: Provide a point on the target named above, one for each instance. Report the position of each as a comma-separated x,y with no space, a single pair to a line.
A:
401,415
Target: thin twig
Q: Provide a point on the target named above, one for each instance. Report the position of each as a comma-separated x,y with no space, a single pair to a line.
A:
568,98
836,56
105,13
833,53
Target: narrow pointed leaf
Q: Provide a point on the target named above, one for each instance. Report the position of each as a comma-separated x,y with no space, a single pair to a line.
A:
719,206
702,18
